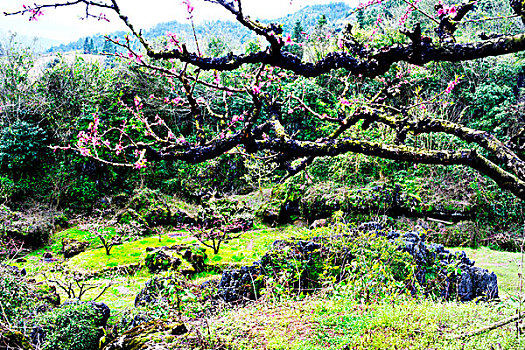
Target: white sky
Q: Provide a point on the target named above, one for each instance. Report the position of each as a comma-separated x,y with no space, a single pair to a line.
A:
63,24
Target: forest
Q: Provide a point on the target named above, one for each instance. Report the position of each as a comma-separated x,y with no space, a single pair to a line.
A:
336,178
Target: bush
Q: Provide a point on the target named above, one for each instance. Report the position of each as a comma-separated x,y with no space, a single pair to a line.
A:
22,147
71,327
7,187
17,299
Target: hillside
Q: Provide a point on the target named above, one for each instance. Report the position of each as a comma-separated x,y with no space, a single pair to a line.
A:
231,32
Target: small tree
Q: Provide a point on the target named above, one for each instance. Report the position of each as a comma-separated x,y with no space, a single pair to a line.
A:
218,225
112,233
212,237
74,284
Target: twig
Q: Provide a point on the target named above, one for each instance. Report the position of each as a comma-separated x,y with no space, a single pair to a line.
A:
103,291
490,327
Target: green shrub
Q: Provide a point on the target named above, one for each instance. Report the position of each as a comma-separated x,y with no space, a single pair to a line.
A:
70,327
22,147
17,299
7,188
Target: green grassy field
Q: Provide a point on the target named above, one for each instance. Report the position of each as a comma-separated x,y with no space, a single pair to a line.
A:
333,319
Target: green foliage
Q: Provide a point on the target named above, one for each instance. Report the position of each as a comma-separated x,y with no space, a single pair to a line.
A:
7,187
22,147
17,299
73,326
158,260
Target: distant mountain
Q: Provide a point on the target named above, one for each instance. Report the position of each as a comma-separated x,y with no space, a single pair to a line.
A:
37,44
309,15
233,34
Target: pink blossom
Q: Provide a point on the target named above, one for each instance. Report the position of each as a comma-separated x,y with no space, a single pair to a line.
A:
288,40
140,164
181,139
151,96
170,135
189,7
237,118
96,121
344,102
118,149
200,100
137,102
340,43
451,85
257,89
446,10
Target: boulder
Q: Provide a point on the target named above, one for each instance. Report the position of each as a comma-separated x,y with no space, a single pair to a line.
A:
194,254
158,260
148,336
72,247
10,339
160,290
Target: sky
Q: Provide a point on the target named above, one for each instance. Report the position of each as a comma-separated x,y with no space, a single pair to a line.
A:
65,25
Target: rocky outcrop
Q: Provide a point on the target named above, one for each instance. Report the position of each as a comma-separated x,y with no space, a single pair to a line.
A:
241,284
437,270
158,260
72,247
32,228
193,254
160,290
148,336
151,209
460,278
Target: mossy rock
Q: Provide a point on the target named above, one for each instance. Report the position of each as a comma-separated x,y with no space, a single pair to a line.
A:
47,293
128,215
161,290
72,247
148,336
149,208
33,228
10,339
158,260
194,254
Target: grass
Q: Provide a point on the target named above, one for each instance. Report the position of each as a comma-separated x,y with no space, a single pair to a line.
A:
332,320
125,254
242,251
248,248
340,322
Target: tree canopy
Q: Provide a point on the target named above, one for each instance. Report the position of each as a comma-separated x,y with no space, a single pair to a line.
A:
368,97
